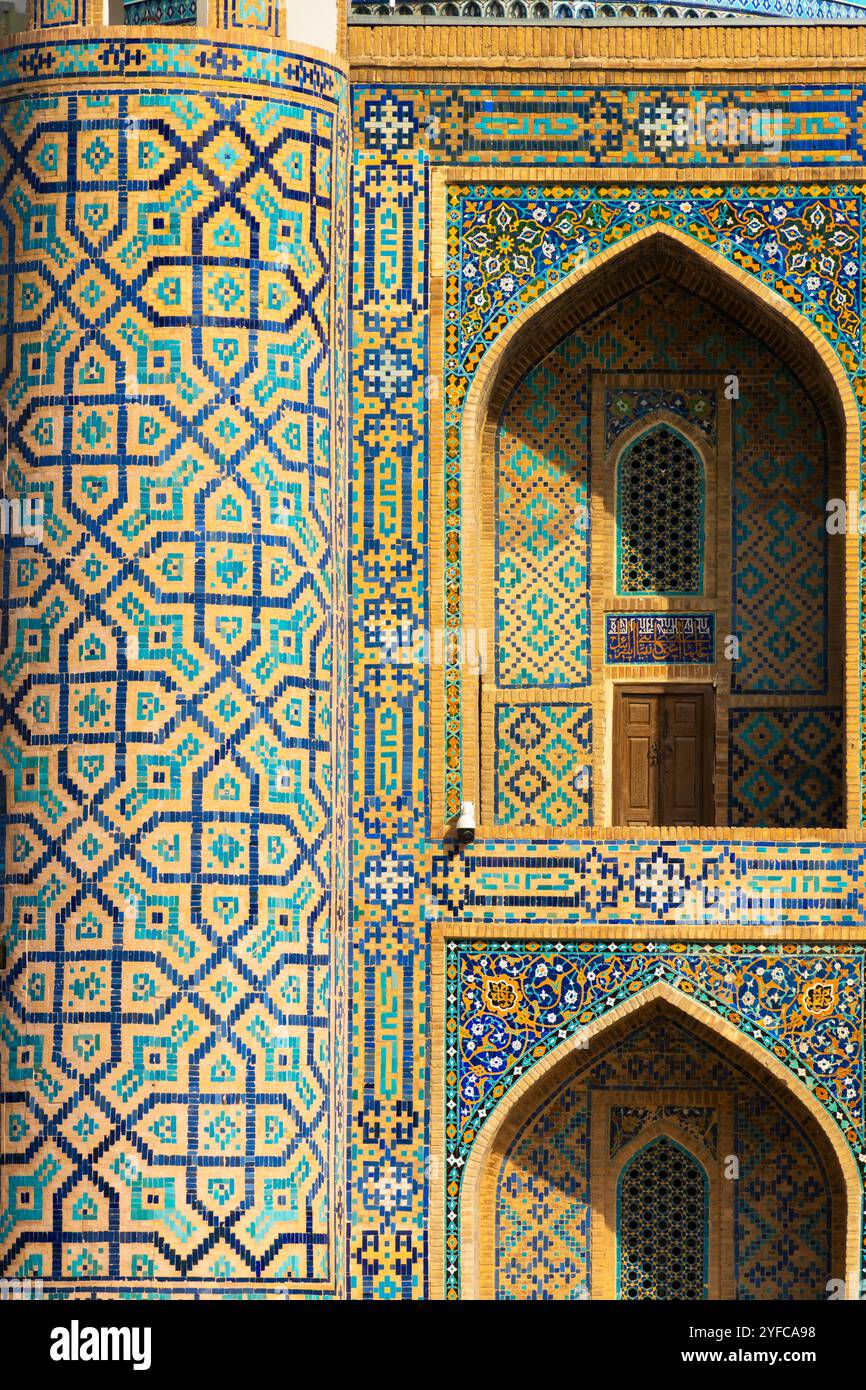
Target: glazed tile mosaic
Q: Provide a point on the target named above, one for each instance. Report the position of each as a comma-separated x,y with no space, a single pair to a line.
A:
509,246
784,766
601,885
542,765
780,551
510,1003
616,883
543,1205
388,1176
659,639
173,703
550,548
217,1029
544,1189
628,406
542,552
616,126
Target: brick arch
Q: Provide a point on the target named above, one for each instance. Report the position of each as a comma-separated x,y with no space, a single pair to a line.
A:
590,288
539,1083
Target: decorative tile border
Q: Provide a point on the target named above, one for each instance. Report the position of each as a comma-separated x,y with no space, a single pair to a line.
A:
613,885
619,126
201,60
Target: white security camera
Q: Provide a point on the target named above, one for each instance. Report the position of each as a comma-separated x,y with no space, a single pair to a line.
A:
466,823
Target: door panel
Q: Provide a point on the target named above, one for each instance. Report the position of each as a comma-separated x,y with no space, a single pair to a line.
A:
681,801
635,766
662,757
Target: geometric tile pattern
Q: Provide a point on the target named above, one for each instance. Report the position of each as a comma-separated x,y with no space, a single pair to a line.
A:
59,14
164,12
542,626
809,249
389,1094
783,1205
780,540
786,767
388,1153
509,1003
542,531
544,1188
269,69
389,302
542,1204
399,133
543,765
171,689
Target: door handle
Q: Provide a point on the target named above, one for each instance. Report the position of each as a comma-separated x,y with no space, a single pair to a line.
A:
660,752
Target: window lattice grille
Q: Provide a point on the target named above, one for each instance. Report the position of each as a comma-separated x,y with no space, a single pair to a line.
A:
660,516
662,1225
160,11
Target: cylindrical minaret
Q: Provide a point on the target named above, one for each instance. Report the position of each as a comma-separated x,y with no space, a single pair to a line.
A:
173,210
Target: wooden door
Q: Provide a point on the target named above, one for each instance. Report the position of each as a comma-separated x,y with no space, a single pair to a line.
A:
636,766
663,756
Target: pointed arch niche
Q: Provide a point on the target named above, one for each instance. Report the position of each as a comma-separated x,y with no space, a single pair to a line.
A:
657,254
709,1116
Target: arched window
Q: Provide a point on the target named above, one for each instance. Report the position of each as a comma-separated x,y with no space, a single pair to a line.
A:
662,1234
660,516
